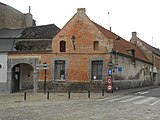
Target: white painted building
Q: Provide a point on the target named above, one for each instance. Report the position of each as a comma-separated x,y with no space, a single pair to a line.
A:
3,72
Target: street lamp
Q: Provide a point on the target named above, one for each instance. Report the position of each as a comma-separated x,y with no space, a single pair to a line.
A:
73,40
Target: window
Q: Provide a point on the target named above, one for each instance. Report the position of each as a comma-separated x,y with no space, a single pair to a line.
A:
62,46
59,70
97,70
95,45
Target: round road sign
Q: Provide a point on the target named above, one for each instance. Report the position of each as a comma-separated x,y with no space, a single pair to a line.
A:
109,81
109,87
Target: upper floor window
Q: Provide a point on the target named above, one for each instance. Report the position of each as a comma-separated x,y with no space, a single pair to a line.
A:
62,46
96,45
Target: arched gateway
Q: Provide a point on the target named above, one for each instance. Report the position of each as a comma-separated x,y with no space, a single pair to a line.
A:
22,75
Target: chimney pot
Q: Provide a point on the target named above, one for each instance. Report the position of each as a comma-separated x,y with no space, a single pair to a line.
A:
134,34
81,10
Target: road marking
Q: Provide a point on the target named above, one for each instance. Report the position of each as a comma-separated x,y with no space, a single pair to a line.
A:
142,93
145,100
155,102
112,100
108,98
131,99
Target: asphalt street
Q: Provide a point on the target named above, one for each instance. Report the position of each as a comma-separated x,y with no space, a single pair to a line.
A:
133,104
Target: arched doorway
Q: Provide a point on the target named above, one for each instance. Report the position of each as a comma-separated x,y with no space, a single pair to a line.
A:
22,77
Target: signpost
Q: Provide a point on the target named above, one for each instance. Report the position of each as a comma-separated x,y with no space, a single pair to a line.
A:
44,67
120,70
109,81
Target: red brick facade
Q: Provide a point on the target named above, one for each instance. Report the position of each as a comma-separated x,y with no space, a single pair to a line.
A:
80,53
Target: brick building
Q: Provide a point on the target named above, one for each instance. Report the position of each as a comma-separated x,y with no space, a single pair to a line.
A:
79,59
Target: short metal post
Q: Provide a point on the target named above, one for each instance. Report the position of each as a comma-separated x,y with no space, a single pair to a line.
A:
47,95
45,81
103,92
89,94
69,94
25,97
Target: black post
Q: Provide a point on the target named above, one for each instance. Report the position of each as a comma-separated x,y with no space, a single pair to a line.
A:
89,94
44,81
47,95
69,94
25,96
103,92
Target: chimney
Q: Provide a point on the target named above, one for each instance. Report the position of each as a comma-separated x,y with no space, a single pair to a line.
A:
134,34
81,10
29,9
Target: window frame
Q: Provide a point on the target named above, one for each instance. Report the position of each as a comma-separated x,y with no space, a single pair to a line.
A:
62,46
96,45
103,69
65,69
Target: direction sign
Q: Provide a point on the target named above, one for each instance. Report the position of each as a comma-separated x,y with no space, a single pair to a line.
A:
42,66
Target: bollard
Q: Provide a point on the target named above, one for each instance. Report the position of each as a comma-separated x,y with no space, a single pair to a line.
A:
25,97
102,92
47,95
69,94
89,94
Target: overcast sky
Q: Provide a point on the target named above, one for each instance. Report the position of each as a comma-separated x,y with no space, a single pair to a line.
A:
126,16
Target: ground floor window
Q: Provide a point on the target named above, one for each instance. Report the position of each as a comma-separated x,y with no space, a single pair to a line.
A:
59,70
97,70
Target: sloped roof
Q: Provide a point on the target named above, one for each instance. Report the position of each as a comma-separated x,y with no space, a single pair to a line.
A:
121,45
40,32
8,39
14,38
151,48
10,33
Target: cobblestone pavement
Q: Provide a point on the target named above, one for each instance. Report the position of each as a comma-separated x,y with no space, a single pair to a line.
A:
114,106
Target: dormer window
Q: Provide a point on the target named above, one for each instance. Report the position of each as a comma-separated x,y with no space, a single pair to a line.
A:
62,46
96,45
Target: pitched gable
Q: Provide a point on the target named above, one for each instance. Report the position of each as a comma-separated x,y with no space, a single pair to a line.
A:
85,33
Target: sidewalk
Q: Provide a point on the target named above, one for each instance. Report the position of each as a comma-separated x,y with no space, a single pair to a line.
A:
133,90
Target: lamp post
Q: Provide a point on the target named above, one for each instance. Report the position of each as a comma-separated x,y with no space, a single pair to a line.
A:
45,73
44,67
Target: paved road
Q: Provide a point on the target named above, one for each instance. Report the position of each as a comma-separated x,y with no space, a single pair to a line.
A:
150,92
117,106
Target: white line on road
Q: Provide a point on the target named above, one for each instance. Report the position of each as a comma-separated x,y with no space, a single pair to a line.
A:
107,98
131,99
145,100
112,100
155,102
142,93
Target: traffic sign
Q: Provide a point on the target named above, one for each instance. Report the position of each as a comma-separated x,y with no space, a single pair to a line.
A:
109,81
110,72
109,88
42,66
119,69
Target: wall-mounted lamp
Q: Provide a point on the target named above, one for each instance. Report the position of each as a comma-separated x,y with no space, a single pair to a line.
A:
73,40
1,66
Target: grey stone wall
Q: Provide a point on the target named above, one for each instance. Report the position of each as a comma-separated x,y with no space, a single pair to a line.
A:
128,84
97,86
12,18
3,87
53,86
140,70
